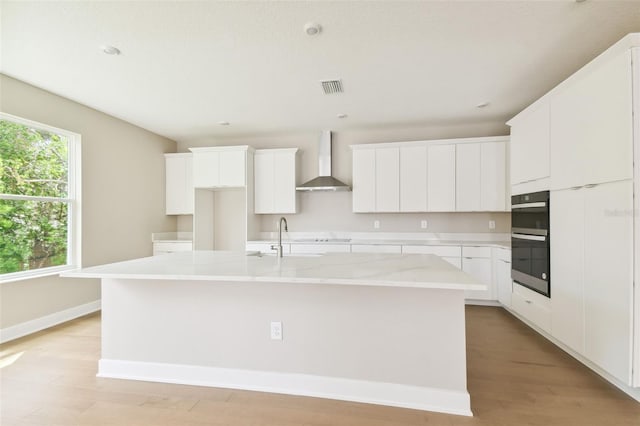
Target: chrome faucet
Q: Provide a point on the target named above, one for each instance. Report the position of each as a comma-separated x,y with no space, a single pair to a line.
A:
279,246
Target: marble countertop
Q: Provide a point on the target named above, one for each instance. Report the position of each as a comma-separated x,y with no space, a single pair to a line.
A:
501,244
363,269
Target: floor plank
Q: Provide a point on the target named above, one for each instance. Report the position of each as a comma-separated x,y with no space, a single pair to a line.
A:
515,377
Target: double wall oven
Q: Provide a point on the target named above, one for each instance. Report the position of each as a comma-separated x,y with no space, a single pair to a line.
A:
530,241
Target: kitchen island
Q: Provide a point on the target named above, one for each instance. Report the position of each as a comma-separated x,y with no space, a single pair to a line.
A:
378,328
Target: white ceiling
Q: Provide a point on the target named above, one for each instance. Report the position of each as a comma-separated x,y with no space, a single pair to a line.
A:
185,66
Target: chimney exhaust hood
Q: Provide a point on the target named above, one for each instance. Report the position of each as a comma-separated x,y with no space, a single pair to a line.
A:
324,182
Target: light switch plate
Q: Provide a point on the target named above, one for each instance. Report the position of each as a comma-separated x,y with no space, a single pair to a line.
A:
423,224
492,224
376,224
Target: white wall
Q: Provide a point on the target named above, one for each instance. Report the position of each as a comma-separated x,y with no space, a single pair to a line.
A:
328,211
122,197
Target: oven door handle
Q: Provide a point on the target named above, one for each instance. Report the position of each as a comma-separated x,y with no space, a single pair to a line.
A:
529,205
528,237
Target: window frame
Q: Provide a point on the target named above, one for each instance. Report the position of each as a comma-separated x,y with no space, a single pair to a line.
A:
73,201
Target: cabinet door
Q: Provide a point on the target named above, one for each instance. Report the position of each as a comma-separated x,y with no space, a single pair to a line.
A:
233,168
493,172
264,188
608,277
441,178
504,282
479,268
364,180
591,127
567,267
206,169
284,173
387,181
468,177
529,146
179,184
413,179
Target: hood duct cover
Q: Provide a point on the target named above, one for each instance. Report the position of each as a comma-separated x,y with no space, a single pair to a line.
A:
324,182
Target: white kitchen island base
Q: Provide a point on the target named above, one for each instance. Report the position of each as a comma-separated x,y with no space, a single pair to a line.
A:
382,342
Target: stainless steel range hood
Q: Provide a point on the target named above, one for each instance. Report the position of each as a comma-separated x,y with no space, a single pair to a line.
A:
324,182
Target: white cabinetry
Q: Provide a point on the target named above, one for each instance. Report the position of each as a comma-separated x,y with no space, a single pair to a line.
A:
179,183
532,306
430,176
413,179
493,177
502,269
441,178
275,180
592,127
468,177
364,180
320,248
530,145
476,261
592,273
387,180
376,179
220,167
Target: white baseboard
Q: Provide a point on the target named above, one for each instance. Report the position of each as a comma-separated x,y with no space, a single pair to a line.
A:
632,392
397,395
32,326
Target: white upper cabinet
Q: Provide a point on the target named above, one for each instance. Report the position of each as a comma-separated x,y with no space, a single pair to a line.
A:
220,167
493,177
275,180
430,176
468,177
592,127
179,183
441,178
530,146
364,180
413,179
387,180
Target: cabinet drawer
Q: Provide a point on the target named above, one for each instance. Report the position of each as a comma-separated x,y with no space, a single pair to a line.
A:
503,254
476,251
375,248
442,251
170,247
533,306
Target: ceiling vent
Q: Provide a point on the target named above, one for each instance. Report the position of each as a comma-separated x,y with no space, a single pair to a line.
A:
332,86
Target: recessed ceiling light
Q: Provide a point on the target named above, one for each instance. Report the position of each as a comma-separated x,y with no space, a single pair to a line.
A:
342,116
223,123
110,50
482,104
311,28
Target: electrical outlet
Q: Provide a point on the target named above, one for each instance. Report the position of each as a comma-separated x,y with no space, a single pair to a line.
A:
376,224
423,224
276,330
492,224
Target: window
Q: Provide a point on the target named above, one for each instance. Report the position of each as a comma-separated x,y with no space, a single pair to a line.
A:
39,199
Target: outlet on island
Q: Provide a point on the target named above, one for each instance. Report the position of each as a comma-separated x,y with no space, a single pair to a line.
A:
276,330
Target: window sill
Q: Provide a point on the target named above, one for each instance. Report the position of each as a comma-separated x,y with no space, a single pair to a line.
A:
37,273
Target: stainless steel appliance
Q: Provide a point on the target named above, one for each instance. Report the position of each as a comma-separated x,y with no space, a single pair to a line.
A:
530,241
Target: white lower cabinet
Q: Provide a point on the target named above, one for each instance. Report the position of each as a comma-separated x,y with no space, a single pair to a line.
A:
319,248
592,273
532,306
502,274
164,247
476,261
376,248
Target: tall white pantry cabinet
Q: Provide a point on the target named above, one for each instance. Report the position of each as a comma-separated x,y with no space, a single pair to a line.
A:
581,141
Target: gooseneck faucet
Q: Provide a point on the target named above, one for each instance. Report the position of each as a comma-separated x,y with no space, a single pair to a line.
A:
286,228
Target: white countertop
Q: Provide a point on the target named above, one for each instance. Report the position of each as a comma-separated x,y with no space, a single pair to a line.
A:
366,269
339,241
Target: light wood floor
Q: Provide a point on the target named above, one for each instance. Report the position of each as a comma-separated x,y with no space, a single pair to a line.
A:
515,378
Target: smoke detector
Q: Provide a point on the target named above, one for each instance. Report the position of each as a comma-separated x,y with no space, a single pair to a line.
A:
311,28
